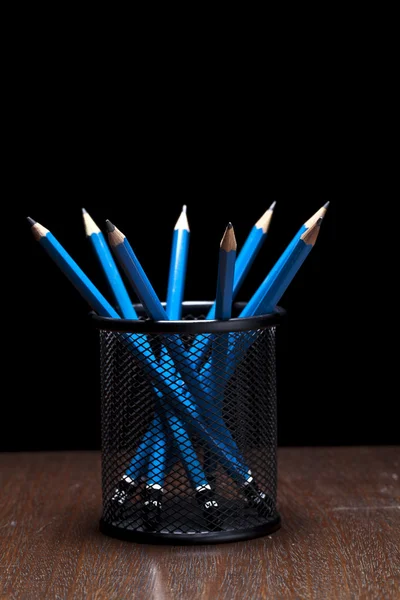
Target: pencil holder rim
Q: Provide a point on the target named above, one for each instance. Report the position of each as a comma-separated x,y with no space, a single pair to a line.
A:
194,326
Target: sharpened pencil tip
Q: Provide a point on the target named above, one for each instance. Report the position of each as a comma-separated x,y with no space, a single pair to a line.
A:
84,211
109,226
182,222
228,241
31,221
265,221
320,214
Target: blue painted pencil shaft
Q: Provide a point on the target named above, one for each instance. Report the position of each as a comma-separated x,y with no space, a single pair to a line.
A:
257,298
159,447
277,281
243,263
176,286
223,310
186,451
220,347
184,447
140,462
77,277
247,255
226,269
177,269
167,426
112,275
138,279
176,281
318,216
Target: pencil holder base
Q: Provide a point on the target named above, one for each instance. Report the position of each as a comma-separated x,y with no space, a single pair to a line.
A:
122,532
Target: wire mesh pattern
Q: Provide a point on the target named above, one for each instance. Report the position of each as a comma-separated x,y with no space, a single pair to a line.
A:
186,452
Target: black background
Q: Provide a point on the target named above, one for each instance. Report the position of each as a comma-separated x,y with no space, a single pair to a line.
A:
53,374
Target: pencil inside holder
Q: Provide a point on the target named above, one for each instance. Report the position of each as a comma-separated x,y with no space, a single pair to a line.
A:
189,428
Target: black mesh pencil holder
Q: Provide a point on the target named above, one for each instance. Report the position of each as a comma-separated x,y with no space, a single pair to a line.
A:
189,428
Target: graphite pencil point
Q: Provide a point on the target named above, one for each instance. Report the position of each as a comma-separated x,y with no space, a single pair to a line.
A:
109,226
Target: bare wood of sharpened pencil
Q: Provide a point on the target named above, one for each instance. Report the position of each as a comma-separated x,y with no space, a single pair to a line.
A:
265,221
90,225
39,231
182,222
309,237
228,241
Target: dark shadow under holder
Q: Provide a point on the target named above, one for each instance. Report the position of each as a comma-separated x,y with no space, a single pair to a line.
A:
174,485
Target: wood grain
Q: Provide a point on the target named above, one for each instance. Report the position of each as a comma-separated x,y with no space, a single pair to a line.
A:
340,537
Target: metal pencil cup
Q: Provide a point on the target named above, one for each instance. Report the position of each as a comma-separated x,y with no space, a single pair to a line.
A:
189,428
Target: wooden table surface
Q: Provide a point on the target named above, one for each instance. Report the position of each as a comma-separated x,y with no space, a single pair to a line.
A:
340,536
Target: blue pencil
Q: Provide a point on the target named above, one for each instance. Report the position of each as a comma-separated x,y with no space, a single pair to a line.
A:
279,278
109,267
320,214
176,285
177,270
220,344
226,271
245,259
223,306
135,273
223,309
